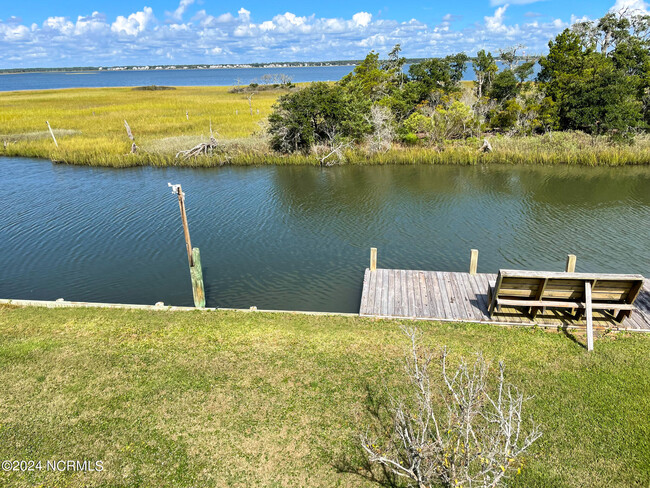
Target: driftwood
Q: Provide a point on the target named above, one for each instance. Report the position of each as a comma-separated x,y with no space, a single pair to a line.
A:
52,133
204,148
134,148
486,147
336,153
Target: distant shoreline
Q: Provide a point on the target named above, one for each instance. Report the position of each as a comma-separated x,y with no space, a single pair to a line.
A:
182,67
144,68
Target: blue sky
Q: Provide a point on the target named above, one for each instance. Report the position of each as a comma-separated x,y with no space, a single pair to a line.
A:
115,32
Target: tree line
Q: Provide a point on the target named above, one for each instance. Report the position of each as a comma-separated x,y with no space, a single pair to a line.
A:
595,78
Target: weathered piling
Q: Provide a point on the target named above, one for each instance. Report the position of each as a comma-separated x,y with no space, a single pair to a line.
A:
196,273
570,263
473,261
193,254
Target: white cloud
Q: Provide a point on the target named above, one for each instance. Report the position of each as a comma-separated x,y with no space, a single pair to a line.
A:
177,14
496,3
59,24
95,23
10,32
224,18
211,37
575,19
134,23
495,23
636,6
362,19
244,15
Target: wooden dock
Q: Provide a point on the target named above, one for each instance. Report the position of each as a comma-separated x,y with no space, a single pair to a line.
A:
438,295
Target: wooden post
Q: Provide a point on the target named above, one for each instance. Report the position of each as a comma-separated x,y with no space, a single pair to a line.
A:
373,259
196,273
193,254
590,325
570,263
571,268
473,261
178,190
52,134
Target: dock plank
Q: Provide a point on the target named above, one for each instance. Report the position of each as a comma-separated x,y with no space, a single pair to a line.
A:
370,292
384,294
405,297
472,299
426,312
435,301
398,293
481,296
391,292
444,299
410,288
363,309
378,287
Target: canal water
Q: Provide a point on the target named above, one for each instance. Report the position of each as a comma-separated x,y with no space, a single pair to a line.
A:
299,237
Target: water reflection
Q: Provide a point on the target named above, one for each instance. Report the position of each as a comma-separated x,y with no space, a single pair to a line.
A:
298,237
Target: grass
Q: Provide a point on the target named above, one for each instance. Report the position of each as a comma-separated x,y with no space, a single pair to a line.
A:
253,399
89,126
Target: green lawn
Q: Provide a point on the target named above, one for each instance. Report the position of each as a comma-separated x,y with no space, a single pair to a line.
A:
253,399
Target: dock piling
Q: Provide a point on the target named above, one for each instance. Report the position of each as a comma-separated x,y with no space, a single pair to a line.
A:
196,273
473,262
571,263
589,316
193,254
373,259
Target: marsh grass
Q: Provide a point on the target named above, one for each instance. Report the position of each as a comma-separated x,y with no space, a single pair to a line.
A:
89,124
251,399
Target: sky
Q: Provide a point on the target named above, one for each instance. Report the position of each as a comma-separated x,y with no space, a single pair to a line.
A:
43,33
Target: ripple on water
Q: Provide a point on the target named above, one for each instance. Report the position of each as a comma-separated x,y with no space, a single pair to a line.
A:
298,238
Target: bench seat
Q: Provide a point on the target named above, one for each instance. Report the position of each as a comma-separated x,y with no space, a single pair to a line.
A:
536,290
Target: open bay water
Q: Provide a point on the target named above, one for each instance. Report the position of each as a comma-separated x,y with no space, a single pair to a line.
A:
298,238
179,77
176,77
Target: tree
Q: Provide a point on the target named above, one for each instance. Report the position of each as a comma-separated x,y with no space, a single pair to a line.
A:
591,90
457,64
394,66
442,75
368,78
485,68
504,86
524,70
318,114
509,56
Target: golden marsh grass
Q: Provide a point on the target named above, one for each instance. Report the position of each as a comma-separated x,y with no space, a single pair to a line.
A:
89,126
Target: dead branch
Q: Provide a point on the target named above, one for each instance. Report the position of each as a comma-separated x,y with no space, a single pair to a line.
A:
336,155
451,426
204,149
134,148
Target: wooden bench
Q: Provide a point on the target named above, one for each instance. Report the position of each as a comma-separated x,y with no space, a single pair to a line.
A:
584,292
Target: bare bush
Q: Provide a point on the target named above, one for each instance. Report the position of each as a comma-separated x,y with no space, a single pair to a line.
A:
383,129
454,427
